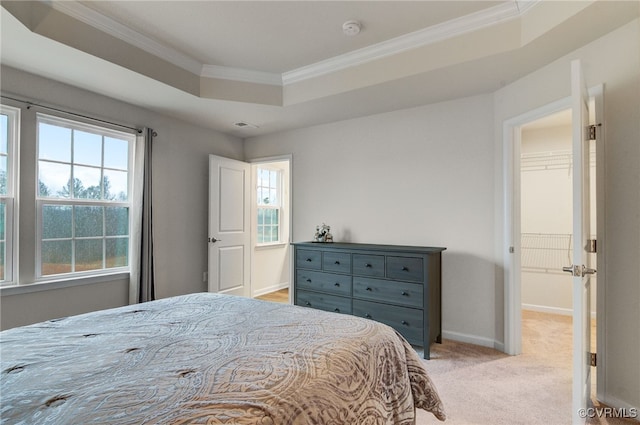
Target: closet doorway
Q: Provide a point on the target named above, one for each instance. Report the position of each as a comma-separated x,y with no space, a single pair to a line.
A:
546,220
513,252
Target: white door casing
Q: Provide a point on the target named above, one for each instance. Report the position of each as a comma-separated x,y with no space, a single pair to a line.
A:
581,269
511,240
229,226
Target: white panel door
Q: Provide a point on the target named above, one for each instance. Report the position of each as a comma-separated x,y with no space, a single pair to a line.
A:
581,269
229,226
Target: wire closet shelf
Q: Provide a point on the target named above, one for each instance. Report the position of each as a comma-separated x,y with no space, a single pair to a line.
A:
547,252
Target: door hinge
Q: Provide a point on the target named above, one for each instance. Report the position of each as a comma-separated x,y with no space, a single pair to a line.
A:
592,131
593,359
592,246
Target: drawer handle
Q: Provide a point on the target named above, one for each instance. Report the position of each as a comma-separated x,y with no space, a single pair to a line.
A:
307,303
309,260
368,316
405,268
309,280
337,310
336,284
405,293
369,289
337,262
368,265
404,322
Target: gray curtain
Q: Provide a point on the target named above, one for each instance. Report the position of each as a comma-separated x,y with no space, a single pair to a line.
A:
146,282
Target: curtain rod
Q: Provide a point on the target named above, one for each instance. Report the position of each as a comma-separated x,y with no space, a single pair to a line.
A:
30,104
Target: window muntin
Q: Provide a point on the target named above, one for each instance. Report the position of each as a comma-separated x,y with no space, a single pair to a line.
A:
269,206
84,178
9,124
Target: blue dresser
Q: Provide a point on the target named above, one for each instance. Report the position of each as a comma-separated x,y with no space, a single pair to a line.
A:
396,285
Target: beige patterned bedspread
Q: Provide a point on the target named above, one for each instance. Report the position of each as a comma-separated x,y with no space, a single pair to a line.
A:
211,359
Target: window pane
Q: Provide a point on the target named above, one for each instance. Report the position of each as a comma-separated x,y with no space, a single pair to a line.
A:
3,260
88,254
260,234
263,177
3,174
116,185
274,233
117,254
54,143
56,222
116,153
117,221
3,223
86,183
263,196
87,148
56,257
53,180
89,221
4,134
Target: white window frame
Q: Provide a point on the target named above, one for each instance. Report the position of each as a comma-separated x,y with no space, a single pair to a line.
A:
278,206
10,199
42,201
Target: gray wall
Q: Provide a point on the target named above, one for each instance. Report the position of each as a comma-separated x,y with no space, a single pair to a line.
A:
422,176
615,61
432,175
180,196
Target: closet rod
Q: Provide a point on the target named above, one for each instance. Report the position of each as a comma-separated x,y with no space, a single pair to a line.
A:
50,108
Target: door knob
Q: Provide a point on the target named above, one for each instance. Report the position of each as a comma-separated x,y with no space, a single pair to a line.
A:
213,240
579,271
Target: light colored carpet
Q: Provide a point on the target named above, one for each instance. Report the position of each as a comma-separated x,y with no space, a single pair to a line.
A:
482,386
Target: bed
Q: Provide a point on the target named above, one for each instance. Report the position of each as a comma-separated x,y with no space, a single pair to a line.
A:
211,359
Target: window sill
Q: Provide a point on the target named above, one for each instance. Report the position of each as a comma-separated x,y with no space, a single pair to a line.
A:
271,246
61,283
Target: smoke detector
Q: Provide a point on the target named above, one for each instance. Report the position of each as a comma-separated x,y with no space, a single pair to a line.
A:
351,28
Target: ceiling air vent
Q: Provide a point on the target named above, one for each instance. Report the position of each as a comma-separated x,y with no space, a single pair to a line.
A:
243,124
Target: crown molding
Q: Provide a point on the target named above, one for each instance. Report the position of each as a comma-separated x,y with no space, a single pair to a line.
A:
436,33
430,35
116,29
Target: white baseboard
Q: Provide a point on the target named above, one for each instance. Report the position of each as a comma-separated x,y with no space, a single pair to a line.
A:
632,411
552,310
269,289
473,339
547,309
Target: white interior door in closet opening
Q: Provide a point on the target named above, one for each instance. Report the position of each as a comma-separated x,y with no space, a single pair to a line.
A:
580,235
229,226
581,269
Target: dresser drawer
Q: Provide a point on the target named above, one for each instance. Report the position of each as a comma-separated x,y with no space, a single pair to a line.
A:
339,262
368,265
324,302
405,268
388,291
308,259
324,282
408,321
